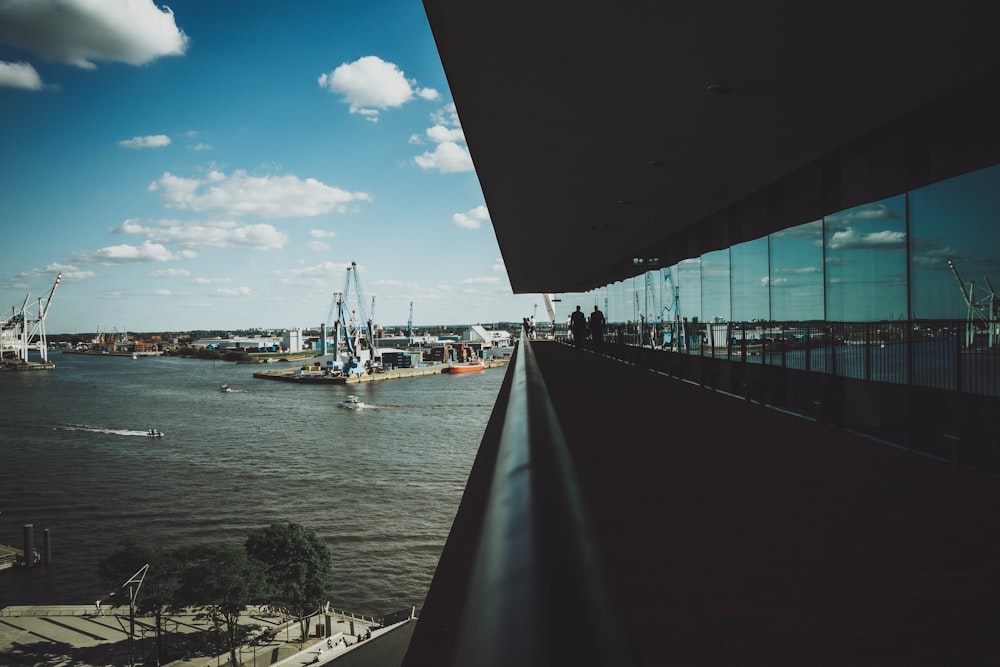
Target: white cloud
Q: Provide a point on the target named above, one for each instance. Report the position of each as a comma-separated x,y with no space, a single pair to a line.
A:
450,155
262,196
370,84
19,75
148,141
169,273
850,239
235,291
317,246
317,276
163,292
322,233
80,32
216,234
125,254
447,158
471,219
211,281
490,280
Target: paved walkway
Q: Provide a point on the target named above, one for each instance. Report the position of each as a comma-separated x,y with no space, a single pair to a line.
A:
77,635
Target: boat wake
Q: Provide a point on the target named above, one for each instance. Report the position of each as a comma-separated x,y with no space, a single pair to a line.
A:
100,429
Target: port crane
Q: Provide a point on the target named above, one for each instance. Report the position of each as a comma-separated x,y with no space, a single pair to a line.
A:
409,328
24,329
353,326
982,308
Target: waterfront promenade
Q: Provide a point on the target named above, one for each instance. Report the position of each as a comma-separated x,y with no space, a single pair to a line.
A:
62,635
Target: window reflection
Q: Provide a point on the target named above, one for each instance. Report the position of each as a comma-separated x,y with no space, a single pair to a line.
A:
715,295
866,262
796,279
749,281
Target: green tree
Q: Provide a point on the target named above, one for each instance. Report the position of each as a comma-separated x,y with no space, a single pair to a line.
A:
156,595
222,578
296,564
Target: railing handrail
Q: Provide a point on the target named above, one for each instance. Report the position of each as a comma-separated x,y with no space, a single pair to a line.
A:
539,593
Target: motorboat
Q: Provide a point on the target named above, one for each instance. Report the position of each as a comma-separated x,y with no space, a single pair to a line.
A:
154,433
352,403
225,389
467,366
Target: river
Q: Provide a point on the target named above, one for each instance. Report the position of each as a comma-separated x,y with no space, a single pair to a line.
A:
381,485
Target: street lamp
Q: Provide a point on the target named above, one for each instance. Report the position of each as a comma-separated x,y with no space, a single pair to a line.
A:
134,583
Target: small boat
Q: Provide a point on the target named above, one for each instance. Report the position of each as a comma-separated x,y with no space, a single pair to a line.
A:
225,388
467,367
352,403
153,433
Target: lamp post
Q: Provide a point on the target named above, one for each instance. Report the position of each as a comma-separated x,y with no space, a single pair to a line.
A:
134,583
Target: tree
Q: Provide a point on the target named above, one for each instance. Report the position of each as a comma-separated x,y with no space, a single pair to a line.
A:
223,578
159,585
296,564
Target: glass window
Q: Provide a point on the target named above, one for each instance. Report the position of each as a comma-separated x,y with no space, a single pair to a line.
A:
865,262
688,278
749,280
795,282
715,294
954,220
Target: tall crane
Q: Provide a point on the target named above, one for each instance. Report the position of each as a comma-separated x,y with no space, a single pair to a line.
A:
983,308
25,329
409,327
354,323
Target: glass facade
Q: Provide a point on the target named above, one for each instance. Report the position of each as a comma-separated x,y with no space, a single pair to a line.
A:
925,254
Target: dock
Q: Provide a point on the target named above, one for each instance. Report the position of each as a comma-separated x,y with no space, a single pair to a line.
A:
82,636
315,375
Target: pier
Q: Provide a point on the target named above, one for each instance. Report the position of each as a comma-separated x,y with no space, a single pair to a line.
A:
315,375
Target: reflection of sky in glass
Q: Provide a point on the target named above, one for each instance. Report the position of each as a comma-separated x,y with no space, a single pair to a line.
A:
750,281
688,277
866,262
957,219
796,279
782,276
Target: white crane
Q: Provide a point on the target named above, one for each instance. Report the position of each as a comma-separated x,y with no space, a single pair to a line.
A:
983,308
25,330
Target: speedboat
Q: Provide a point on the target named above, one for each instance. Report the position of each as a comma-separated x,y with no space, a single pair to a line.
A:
153,433
225,388
352,403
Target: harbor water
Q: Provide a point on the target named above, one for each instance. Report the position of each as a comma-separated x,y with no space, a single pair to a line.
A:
381,484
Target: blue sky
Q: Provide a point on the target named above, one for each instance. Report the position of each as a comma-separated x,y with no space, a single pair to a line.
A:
218,165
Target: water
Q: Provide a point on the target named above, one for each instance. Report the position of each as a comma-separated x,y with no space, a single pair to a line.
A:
380,485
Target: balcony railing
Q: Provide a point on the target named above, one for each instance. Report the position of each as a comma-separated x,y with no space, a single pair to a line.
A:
936,354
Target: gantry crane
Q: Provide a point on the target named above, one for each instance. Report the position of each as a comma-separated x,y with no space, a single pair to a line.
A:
354,325
983,308
25,329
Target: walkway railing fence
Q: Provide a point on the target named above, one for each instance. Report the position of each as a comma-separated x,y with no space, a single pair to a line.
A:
932,386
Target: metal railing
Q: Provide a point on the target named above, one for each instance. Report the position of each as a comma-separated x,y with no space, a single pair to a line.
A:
936,354
539,593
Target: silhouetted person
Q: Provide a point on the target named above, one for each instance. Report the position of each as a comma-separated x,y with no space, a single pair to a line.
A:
597,330
578,325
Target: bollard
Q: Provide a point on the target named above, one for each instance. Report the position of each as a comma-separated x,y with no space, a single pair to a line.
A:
29,545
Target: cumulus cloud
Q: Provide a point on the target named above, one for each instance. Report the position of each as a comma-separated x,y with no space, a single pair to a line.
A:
471,219
82,32
322,233
148,141
216,234
70,272
371,84
127,254
262,196
19,75
851,239
450,155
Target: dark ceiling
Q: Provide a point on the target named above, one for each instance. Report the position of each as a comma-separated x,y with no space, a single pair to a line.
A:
599,131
